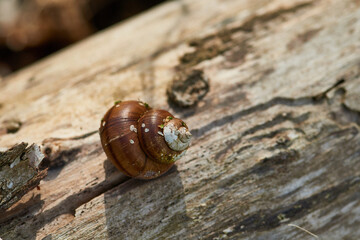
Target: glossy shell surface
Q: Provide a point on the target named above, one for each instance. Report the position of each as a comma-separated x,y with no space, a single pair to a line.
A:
132,137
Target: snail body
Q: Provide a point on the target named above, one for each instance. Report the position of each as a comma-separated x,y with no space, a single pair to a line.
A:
142,142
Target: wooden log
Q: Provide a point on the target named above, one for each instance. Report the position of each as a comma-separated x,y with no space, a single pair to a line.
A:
276,150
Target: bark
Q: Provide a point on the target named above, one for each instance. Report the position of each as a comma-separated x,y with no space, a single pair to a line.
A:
276,149
19,172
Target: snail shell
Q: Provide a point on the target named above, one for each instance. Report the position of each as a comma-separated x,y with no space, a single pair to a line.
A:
142,142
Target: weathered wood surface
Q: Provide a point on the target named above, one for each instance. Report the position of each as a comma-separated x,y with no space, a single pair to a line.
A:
276,140
19,172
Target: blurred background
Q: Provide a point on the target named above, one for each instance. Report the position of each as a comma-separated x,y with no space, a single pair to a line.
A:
33,29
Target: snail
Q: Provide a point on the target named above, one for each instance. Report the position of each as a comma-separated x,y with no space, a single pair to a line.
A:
142,142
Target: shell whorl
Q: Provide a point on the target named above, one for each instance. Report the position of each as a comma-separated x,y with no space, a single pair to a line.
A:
176,135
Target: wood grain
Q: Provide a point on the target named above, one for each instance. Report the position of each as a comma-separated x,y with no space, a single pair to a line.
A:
276,139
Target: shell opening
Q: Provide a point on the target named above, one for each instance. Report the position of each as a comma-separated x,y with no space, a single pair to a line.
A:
178,138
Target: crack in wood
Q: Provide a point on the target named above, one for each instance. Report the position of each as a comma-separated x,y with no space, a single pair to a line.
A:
274,133
323,94
280,118
292,102
267,164
82,136
199,132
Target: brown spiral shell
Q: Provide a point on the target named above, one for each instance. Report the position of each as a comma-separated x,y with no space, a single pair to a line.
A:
142,142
